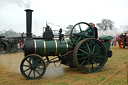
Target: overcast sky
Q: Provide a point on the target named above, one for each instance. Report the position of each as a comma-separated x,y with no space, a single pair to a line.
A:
61,12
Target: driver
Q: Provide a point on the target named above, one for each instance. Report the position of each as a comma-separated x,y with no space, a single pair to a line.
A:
95,29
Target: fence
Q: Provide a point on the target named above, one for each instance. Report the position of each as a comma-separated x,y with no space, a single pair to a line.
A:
123,66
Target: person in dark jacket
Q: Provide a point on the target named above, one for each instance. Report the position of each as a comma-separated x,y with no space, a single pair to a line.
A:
95,29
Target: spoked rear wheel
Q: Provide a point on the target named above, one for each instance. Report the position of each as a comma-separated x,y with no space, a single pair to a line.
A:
121,43
4,47
90,55
33,67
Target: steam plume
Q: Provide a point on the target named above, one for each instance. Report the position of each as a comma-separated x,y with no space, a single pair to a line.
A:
52,71
20,3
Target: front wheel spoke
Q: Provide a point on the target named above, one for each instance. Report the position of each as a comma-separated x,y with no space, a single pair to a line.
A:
26,69
38,72
83,51
30,72
27,65
34,73
33,61
96,64
28,62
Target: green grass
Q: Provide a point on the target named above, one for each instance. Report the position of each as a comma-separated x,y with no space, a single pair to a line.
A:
73,76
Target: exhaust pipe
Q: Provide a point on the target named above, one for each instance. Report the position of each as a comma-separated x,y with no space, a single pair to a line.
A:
28,23
28,43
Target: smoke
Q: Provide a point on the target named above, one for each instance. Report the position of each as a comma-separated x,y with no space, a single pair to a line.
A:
52,71
11,61
20,3
113,32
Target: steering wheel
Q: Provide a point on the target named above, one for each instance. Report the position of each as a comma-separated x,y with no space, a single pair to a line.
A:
80,31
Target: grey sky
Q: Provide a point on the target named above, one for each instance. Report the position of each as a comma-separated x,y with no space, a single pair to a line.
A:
61,12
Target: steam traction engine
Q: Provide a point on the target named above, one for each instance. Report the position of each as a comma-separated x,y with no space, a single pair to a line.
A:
123,41
7,45
81,50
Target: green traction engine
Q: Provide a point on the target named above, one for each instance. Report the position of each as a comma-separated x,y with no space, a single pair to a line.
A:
81,50
8,45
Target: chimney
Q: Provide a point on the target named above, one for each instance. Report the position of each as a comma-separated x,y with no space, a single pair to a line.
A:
28,23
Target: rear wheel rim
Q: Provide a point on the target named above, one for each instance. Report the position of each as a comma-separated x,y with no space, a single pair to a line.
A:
121,44
90,55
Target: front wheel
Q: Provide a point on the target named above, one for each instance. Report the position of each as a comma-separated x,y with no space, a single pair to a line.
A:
33,67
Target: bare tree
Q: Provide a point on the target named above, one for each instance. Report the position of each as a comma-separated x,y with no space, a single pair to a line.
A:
69,27
106,24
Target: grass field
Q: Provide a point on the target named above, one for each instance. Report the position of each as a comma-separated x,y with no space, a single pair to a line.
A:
10,74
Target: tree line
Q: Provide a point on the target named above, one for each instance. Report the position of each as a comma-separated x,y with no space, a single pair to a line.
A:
106,24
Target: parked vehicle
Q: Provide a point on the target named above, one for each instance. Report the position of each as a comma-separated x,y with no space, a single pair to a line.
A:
123,41
8,45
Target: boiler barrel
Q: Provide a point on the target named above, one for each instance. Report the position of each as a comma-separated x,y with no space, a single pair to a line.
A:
47,47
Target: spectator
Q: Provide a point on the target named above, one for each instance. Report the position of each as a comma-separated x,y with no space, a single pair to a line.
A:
114,42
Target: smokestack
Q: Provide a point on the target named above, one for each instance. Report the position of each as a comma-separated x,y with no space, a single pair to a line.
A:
28,22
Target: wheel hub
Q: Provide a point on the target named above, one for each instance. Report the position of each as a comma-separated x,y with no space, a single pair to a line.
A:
33,67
